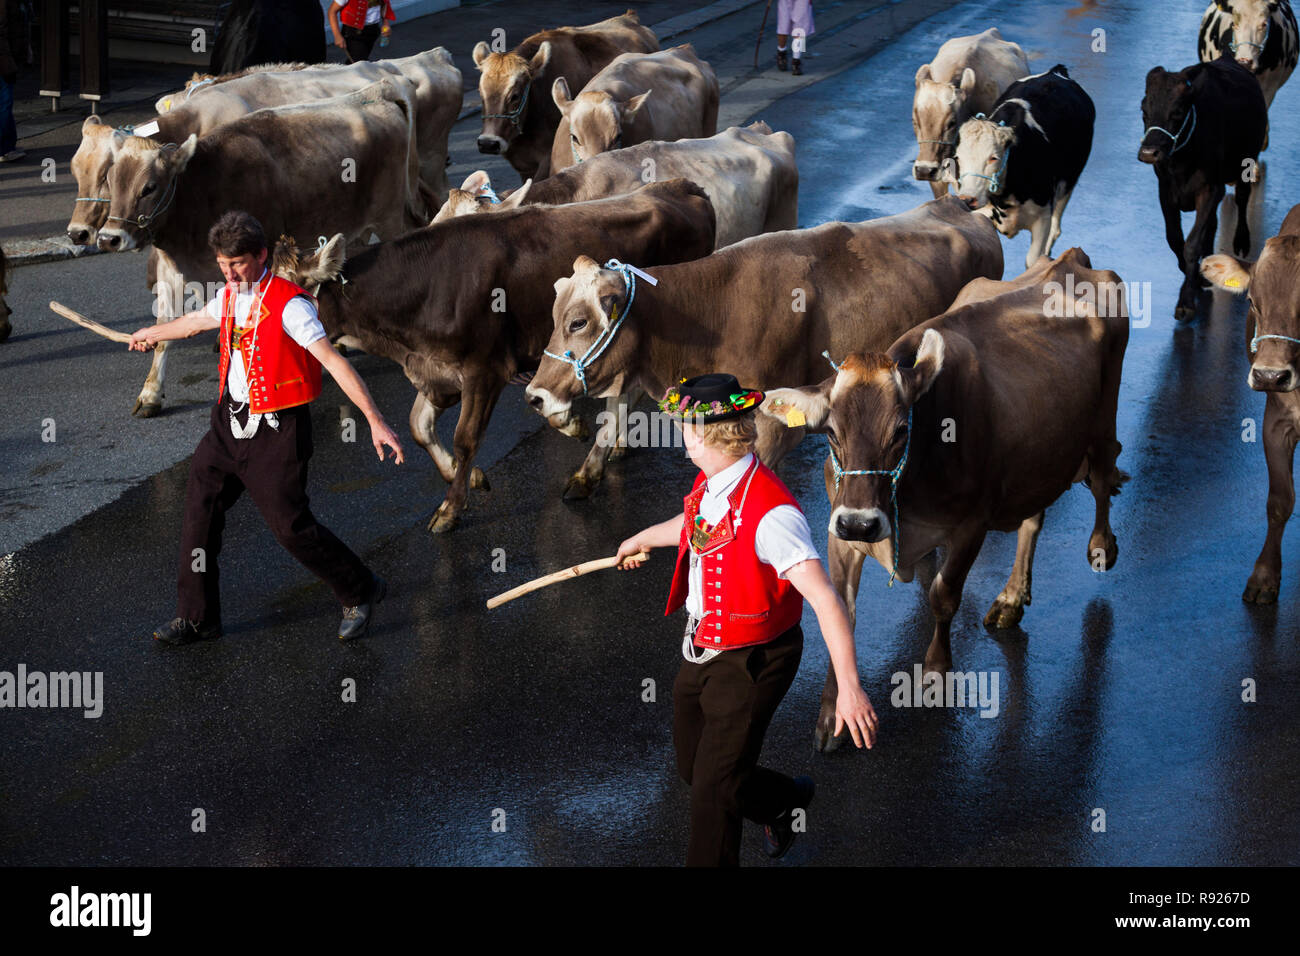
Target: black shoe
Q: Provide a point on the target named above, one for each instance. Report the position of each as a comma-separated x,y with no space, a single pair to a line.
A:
798,67
781,60
778,836
356,620
180,631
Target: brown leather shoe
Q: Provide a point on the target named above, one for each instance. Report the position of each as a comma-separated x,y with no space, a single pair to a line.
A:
180,631
356,620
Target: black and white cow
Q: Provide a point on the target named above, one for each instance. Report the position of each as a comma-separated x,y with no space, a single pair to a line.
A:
1205,126
1019,164
1260,34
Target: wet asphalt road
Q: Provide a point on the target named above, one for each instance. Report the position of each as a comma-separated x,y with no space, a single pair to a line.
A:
1119,691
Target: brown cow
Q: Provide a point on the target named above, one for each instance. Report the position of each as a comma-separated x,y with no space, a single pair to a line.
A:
764,309
974,421
464,305
519,116
639,97
1273,327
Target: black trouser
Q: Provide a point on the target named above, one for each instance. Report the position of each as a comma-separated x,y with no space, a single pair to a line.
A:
359,42
721,710
272,466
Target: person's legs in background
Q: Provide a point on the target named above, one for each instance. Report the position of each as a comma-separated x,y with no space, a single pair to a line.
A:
9,151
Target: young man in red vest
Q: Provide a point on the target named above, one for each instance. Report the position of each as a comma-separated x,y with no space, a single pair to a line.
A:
363,22
745,564
272,349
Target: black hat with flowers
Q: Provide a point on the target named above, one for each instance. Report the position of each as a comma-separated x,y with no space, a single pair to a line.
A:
706,399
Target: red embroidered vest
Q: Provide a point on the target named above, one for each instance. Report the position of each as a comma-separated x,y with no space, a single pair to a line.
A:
353,13
744,600
281,373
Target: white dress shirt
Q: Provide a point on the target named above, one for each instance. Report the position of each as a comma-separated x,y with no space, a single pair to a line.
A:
298,318
782,538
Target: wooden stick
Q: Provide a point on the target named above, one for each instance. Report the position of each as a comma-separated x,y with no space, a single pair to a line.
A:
94,326
761,31
600,564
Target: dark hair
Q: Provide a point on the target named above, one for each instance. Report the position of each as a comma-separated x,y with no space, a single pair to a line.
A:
236,234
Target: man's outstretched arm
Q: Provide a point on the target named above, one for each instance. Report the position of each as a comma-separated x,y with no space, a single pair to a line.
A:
343,373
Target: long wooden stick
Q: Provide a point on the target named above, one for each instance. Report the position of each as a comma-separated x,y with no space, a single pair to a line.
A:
600,564
761,31
94,326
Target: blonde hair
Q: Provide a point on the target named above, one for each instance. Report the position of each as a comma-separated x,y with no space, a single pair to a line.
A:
735,436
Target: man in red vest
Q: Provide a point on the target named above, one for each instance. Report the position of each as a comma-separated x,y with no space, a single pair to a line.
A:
272,349
745,564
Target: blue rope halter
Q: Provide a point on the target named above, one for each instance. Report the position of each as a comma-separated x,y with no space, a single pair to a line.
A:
490,194
606,336
1254,343
894,474
1189,118
515,116
1268,28
198,86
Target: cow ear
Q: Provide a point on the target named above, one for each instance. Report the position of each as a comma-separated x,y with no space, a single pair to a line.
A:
967,84
540,59
476,181
1228,273
185,152
634,104
585,264
923,74
92,122
560,93
516,198
789,405
916,381
326,263
481,51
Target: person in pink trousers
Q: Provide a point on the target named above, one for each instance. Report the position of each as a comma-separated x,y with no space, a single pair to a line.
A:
794,22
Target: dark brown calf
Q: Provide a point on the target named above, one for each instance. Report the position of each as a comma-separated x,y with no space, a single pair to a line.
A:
974,421
1273,330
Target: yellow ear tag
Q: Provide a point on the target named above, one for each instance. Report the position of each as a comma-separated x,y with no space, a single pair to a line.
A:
1232,283
794,418
613,317
167,105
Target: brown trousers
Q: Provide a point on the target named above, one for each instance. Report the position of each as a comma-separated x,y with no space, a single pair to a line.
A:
272,467
721,710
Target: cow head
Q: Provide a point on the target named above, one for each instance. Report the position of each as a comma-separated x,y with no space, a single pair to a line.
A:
596,119
983,148
938,110
90,165
1167,112
1274,296
1251,26
142,184
587,304
505,84
864,410
476,195
323,264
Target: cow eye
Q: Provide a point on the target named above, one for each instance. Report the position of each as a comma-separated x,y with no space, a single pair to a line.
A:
900,433
149,188
577,325
574,138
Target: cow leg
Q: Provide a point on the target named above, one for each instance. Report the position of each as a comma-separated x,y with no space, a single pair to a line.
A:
478,398
945,592
938,189
610,445
1200,243
1173,218
169,292
846,572
423,422
1009,606
1058,211
1241,235
1280,437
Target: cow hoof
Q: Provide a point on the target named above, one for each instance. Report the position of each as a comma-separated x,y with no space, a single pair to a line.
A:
1003,614
579,487
142,410
479,480
1184,313
443,520
1261,589
826,742
1108,554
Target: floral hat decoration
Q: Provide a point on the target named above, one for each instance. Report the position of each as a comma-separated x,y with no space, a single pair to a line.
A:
710,398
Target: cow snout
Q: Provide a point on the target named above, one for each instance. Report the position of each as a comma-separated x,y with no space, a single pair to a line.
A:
79,235
970,201
1270,379
927,172
860,524
1149,154
110,242
558,414
493,145
1248,62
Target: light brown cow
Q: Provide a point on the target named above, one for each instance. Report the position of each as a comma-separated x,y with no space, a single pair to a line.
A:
966,77
972,422
359,177
519,115
664,96
749,174
1273,329
763,309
